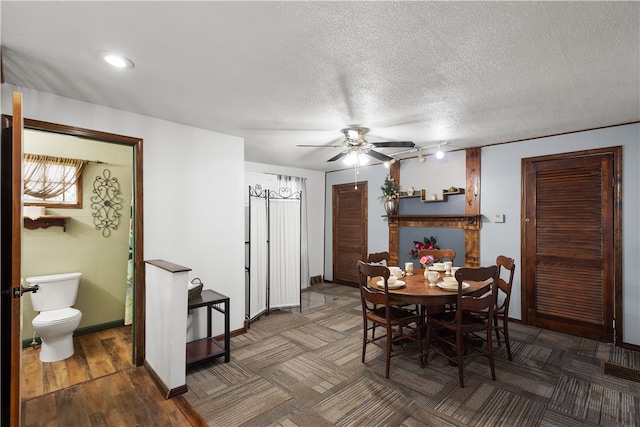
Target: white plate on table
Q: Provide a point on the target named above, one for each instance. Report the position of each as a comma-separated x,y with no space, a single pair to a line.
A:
453,287
399,284
439,270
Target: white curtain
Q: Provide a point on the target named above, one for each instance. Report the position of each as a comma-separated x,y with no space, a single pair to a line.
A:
289,268
256,238
259,257
284,259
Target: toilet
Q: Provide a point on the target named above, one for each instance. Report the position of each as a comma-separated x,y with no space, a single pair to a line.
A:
57,319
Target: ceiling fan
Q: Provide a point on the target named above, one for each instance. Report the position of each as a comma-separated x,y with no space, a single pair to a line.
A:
355,145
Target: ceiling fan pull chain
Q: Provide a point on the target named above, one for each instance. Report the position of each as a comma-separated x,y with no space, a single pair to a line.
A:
355,176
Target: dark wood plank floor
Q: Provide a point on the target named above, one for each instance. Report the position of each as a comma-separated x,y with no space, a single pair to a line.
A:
97,386
96,355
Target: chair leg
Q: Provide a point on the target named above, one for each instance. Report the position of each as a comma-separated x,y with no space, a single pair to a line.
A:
490,354
459,348
364,340
388,351
495,326
420,326
505,332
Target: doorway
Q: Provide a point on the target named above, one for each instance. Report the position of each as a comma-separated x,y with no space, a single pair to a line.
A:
14,234
572,243
94,241
350,238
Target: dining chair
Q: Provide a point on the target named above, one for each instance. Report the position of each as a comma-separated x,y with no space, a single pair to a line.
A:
402,327
438,254
382,258
471,319
501,311
379,258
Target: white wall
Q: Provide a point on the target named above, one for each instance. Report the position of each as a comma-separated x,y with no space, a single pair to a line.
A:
193,189
315,207
501,194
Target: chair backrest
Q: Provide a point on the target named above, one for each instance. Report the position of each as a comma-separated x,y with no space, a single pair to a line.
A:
368,293
484,304
505,264
379,258
438,254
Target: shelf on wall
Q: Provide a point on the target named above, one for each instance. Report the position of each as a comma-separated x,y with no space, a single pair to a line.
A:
445,193
46,221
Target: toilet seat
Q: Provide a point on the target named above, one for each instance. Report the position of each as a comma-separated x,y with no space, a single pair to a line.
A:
53,317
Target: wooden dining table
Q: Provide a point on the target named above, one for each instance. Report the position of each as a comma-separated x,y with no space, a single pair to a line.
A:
417,290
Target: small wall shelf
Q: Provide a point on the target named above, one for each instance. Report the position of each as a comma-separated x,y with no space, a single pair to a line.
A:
46,221
445,194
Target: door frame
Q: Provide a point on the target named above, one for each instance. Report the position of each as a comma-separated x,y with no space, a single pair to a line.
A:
14,163
616,152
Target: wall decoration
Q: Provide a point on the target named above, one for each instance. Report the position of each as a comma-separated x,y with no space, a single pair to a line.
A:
106,202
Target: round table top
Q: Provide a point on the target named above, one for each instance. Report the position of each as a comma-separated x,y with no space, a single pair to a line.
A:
418,291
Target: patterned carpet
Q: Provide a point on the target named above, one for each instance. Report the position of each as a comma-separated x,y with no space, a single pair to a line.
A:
304,369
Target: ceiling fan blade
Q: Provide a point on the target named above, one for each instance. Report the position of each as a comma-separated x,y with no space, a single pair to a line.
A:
379,156
401,144
319,146
337,157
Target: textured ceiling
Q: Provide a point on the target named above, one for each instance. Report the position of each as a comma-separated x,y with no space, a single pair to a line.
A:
286,73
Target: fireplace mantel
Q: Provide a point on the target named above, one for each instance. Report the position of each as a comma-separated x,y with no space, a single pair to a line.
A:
465,221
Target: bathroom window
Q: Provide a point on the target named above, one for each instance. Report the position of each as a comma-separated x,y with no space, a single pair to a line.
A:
53,181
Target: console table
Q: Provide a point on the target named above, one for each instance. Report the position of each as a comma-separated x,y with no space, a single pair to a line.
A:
209,347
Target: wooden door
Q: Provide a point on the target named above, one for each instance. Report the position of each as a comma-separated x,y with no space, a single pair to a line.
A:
11,213
350,242
570,247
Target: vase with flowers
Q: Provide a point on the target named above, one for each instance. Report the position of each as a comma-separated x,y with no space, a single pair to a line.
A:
425,260
390,192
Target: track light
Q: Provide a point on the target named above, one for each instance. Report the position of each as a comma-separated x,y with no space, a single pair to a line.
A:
421,157
439,154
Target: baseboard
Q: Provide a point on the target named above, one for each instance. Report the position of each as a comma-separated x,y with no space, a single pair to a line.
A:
81,331
167,392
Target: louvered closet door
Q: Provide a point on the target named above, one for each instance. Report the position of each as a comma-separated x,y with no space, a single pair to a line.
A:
569,245
349,231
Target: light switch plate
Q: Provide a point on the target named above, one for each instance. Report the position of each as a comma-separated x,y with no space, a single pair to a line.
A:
498,218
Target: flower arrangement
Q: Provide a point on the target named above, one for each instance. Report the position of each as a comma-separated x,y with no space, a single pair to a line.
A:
426,260
427,243
390,189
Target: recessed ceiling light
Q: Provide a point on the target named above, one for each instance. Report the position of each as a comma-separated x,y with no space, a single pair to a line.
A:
116,60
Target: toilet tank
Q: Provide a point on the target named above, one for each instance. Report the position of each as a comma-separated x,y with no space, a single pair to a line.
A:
54,291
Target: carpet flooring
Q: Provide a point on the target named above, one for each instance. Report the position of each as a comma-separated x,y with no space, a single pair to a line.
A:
304,368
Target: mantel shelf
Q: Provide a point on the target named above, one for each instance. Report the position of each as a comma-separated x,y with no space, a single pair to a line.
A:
444,220
46,221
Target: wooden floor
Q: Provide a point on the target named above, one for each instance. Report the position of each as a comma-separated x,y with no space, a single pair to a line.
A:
97,386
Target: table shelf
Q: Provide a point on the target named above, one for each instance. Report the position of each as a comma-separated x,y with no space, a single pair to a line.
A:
207,348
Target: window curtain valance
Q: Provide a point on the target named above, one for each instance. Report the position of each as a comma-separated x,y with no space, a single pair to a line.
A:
47,177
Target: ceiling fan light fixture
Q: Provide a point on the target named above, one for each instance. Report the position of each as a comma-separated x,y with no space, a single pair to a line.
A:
355,159
115,60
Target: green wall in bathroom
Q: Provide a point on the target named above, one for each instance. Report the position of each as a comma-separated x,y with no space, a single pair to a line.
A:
101,260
